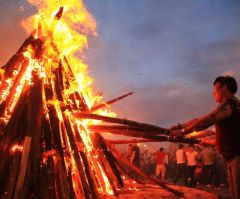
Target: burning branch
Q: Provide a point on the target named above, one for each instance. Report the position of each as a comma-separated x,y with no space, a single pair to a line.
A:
100,106
131,123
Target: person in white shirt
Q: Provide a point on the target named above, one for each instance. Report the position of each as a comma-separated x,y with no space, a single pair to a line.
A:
209,168
192,157
181,164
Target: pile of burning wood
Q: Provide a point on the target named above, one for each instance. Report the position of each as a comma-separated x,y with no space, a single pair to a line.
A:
51,140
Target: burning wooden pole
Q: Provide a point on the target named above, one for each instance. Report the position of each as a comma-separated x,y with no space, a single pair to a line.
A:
101,145
126,122
19,189
103,105
155,136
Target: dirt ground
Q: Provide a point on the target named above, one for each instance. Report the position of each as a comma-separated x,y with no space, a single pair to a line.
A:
155,192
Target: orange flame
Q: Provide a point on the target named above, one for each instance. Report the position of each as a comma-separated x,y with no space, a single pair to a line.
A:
70,35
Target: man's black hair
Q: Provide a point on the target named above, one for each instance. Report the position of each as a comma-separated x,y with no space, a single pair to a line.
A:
229,82
191,145
180,146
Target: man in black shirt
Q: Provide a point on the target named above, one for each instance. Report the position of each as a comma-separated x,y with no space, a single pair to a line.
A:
135,158
226,118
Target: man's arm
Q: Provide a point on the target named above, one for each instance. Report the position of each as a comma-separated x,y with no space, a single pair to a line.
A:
133,155
183,125
222,112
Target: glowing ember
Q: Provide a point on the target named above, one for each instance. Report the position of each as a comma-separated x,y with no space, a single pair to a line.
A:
15,148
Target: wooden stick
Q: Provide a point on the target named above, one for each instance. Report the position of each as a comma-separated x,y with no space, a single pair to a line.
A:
13,174
200,134
110,159
150,135
103,105
89,192
129,173
23,168
144,126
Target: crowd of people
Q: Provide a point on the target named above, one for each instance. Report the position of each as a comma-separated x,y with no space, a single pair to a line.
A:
188,165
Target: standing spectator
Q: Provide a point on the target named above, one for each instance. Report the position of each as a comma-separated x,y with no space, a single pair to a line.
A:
209,169
129,151
160,160
135,157
192,157
152,163
181,164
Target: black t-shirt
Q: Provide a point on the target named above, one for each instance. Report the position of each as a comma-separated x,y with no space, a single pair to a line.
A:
136,159
228,132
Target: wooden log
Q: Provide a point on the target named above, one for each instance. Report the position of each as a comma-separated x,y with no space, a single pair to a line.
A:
88,191
155,136
88,172
56,18
71,79
143,126
34,129
103,105
200,134
23,167
104,164
16,158
61,180
129,173
125,161
12,133
50,188
10,96
47,134
110,159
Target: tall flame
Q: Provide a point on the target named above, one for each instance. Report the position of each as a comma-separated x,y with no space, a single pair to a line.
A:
70,34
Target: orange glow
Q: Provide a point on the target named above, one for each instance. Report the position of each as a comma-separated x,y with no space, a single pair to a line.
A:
16,148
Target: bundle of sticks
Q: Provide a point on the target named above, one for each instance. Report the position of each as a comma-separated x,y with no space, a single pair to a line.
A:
46,150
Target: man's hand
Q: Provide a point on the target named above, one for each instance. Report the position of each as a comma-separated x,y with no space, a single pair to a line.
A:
176,133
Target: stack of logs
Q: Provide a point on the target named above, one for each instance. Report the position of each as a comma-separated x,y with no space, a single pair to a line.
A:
43,153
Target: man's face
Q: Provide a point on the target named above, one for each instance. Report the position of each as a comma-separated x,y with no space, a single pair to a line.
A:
218,92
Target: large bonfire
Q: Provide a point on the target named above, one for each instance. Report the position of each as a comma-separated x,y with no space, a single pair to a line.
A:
51,123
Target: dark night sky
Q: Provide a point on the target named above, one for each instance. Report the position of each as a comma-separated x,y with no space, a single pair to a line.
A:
167,52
